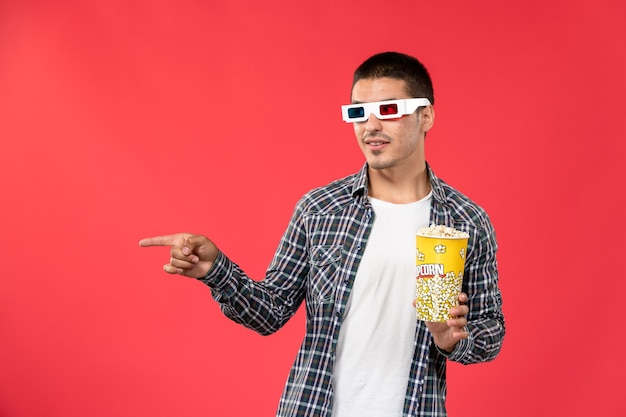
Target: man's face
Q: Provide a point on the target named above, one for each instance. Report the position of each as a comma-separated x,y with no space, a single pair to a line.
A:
390,143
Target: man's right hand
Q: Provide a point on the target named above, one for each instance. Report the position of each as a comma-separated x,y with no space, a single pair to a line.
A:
190,255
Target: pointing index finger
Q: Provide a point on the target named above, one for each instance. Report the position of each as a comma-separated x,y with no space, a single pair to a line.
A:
167,240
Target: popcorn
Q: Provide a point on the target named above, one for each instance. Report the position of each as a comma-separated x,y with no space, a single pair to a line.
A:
439,266
441,231
437,295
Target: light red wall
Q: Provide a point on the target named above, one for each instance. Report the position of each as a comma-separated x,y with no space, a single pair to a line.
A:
121,120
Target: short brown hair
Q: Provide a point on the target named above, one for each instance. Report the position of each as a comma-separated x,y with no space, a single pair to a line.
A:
399,66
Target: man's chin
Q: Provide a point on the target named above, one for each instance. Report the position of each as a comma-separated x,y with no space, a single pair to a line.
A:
377,164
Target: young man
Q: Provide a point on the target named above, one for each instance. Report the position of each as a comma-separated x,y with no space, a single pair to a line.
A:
349,251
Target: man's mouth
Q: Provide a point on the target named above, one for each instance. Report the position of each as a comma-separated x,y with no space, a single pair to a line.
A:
374,143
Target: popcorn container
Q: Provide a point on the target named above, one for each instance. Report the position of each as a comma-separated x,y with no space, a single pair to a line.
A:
439,265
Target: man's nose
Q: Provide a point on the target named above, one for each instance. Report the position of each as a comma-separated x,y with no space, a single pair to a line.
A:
373,123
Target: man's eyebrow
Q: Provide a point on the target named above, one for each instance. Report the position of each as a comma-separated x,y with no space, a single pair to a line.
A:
377,101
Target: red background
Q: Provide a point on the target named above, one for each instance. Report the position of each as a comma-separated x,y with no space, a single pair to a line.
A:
122,120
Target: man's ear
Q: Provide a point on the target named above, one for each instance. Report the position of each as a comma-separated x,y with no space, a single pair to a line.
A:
427,118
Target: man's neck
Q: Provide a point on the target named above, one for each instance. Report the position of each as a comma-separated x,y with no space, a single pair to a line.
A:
398,187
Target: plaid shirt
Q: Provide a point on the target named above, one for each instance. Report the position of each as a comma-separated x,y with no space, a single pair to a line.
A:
317,261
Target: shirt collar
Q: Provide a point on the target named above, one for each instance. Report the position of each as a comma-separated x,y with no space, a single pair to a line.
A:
436,185
360,184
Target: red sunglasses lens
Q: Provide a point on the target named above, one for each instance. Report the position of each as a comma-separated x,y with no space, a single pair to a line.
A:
388,109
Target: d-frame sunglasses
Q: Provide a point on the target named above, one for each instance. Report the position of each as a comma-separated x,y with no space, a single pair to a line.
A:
389,109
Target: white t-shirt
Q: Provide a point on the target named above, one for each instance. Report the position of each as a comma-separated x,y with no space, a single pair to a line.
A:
375,345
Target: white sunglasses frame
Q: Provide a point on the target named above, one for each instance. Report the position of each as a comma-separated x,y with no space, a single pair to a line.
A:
405,106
